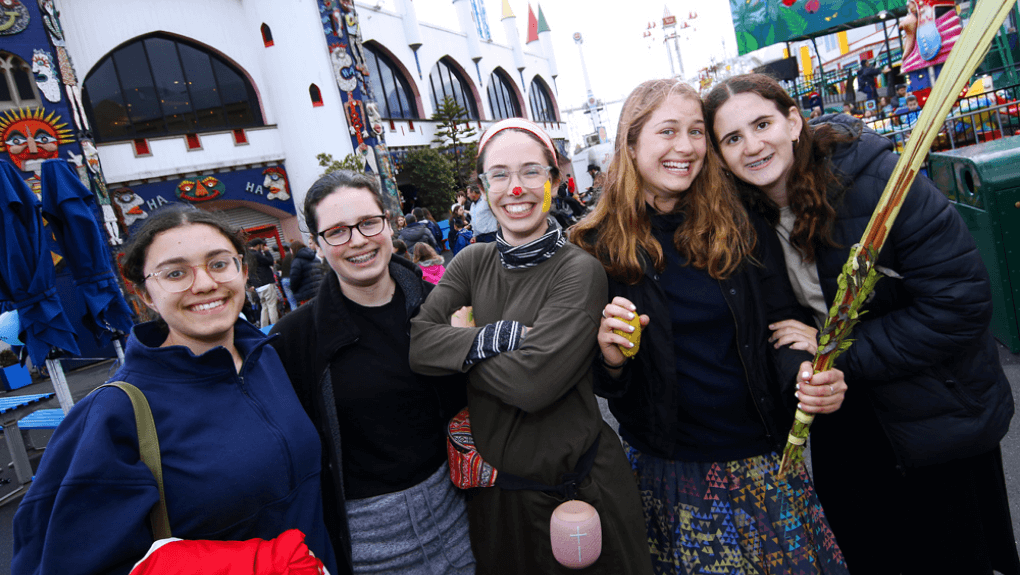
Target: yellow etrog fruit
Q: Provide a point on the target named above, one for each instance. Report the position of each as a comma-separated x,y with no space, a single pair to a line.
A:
633,337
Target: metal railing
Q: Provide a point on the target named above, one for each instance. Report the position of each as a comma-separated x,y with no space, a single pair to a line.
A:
974,119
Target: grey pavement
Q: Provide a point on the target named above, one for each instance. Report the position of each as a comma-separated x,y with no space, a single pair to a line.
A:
84,380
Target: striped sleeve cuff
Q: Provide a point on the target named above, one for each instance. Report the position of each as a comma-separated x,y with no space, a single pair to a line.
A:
494,339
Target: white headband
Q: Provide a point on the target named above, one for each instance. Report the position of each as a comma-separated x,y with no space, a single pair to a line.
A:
517,124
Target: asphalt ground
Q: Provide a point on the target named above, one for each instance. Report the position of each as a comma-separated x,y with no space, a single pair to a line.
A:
82,381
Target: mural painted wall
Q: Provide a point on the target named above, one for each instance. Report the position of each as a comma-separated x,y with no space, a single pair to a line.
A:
48,121
266,186
342,29
760,23
54,124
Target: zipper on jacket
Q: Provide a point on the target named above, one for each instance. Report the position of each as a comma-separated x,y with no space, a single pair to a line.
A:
273,428
743,364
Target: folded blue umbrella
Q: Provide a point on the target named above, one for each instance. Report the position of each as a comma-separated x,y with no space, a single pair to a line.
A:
68,206
27,279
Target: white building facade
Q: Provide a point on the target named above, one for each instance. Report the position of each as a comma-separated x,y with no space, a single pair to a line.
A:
226,104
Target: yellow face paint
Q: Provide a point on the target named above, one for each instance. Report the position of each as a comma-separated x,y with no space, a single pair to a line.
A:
547,202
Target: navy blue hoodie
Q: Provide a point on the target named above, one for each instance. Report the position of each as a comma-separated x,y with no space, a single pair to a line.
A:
240,461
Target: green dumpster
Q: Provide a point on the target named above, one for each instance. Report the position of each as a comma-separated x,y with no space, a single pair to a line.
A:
984,182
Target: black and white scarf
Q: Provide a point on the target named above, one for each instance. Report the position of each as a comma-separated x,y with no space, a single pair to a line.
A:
532,253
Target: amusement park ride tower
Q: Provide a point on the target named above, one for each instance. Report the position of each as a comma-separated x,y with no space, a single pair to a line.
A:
593,105
672,30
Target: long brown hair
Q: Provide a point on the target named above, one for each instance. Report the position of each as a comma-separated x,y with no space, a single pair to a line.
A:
810,181
716,234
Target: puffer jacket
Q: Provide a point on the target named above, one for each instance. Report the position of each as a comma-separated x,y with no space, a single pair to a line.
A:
305,274
923,352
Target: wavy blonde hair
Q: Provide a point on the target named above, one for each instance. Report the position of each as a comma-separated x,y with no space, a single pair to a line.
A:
716,234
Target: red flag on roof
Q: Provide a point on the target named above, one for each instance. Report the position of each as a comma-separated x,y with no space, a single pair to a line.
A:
532,26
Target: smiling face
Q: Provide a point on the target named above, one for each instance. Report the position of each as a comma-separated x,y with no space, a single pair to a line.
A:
519,208
756,141
670,150
203,316
361,262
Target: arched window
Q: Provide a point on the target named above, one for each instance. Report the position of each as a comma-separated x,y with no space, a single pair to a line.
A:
17,89
315,95
446,82
159,85
542,108
502,100
267,35
392,91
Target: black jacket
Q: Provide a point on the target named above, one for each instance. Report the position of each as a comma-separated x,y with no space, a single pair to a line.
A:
310,337
260,268
415,233
644,398
305,274
923,351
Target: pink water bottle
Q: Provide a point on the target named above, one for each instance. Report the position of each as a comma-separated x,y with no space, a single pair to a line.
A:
576,532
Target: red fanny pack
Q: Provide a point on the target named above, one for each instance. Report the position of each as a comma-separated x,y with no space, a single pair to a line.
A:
467,468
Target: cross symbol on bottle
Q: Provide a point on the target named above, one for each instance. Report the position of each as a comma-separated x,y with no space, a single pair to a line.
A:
579,535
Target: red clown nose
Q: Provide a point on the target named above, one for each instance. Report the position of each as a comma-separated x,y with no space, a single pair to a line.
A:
517,191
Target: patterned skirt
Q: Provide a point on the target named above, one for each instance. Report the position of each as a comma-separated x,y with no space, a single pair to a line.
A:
733,518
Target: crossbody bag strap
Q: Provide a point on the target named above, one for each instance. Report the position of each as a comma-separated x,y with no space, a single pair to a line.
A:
148,449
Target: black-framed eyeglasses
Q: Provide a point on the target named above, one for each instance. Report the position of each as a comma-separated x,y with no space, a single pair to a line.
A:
340,235
532,175
176,278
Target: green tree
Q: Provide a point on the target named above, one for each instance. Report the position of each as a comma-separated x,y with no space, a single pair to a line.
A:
453,129
433,174
350,162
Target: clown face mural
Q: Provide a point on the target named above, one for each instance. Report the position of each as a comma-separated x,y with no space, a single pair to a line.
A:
375,119
205,189
31,136
130,205
276,183
45,76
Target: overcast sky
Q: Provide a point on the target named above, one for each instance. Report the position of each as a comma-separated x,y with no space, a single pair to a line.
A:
617,55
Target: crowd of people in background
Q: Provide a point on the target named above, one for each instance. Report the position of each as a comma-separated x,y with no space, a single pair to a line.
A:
279,285
901,109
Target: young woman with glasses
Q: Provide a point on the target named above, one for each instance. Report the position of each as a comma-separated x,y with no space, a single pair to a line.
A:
536,301
389,504
240,458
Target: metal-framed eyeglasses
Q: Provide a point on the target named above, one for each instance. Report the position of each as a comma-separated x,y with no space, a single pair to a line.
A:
176,278
340,235
531,176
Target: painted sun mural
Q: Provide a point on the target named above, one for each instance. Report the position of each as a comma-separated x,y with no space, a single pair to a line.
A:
31,135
